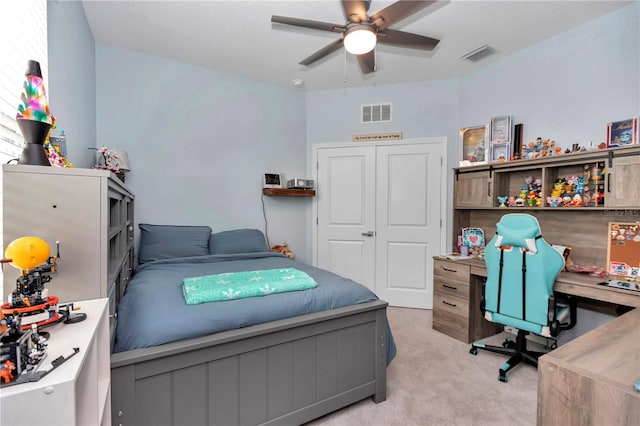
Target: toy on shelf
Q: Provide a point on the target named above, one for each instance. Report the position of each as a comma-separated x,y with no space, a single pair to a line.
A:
540,148
593,185
579,191
530,194
503,200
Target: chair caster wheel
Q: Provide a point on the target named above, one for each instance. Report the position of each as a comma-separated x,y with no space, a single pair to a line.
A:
473,351
508,343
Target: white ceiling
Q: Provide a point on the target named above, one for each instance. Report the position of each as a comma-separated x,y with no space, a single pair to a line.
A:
238,36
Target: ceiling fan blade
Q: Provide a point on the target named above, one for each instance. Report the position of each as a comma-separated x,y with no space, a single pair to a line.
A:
367,62
307,23
397,12
402,39
330,48
355,10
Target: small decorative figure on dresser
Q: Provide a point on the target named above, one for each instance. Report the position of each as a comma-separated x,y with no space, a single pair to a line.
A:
502,200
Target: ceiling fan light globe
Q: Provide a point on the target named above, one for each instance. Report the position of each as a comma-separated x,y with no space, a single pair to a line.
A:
360,40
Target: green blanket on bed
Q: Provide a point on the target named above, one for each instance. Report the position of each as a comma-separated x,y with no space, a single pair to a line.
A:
237,285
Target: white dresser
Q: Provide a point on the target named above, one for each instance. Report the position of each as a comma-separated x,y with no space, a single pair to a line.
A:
78,392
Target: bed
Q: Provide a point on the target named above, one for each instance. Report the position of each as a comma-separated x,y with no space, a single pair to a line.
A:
284,358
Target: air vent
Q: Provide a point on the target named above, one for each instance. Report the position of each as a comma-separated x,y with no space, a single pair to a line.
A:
477,54
376,113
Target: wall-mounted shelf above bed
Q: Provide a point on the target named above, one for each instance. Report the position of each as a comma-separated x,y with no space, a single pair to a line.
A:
285,192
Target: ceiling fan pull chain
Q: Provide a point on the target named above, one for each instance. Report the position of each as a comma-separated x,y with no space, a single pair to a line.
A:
344,65
375,59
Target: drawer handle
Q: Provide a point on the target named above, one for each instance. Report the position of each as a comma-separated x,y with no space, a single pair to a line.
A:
450,304
449,270
449,287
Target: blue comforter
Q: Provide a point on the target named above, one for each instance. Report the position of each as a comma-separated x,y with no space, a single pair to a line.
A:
153,310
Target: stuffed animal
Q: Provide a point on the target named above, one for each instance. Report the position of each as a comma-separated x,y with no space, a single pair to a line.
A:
284,249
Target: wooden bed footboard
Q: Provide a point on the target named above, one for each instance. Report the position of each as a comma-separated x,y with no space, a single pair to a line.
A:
288,371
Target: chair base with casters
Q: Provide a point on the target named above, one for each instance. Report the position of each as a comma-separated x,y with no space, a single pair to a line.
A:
519,351
521,271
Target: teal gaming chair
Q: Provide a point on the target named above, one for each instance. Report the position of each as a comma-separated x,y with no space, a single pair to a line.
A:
521,271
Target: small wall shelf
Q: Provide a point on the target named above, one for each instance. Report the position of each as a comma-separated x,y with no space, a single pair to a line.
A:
285,192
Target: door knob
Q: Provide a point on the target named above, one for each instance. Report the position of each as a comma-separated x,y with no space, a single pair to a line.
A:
368,234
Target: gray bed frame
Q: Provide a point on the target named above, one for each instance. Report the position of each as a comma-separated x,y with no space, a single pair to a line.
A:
283,372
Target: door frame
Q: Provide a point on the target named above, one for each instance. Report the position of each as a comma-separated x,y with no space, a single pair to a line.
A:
442,140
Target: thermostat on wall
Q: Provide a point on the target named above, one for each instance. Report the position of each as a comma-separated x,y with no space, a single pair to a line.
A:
298,183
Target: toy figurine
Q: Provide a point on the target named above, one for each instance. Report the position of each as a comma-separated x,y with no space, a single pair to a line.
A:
503,200
558,188
554,201
577,200
511,201
6,371
284,249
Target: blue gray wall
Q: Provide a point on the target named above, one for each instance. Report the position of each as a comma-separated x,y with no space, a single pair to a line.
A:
199,142
72,79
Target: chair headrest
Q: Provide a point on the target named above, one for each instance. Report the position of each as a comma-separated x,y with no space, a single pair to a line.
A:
518,230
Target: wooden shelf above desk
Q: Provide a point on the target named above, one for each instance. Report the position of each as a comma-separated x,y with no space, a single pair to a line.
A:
285,192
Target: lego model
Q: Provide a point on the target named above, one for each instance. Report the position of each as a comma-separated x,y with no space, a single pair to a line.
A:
22,345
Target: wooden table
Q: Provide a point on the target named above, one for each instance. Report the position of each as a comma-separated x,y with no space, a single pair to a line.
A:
589,381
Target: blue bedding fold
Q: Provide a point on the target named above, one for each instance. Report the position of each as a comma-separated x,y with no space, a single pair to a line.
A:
153,310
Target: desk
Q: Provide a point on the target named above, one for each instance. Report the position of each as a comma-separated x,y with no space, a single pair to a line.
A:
456,309
590,379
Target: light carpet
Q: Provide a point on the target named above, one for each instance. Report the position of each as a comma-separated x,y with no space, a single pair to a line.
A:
435,381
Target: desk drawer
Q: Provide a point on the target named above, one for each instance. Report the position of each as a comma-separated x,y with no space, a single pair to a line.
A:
456,271
451,287
451,316
455,305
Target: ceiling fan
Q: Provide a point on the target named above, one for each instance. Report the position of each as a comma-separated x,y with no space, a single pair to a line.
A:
362,32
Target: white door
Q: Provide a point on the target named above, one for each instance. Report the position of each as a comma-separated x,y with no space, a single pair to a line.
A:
346,213
379,217
408,225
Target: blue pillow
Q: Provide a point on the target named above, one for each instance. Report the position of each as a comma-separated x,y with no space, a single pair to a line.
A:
169,241
237,241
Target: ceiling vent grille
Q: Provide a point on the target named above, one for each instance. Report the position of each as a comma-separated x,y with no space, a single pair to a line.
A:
478,54
376,113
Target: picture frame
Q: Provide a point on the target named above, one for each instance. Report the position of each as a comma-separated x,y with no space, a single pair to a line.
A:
475,144
500,152
501,129
622,133
272,180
